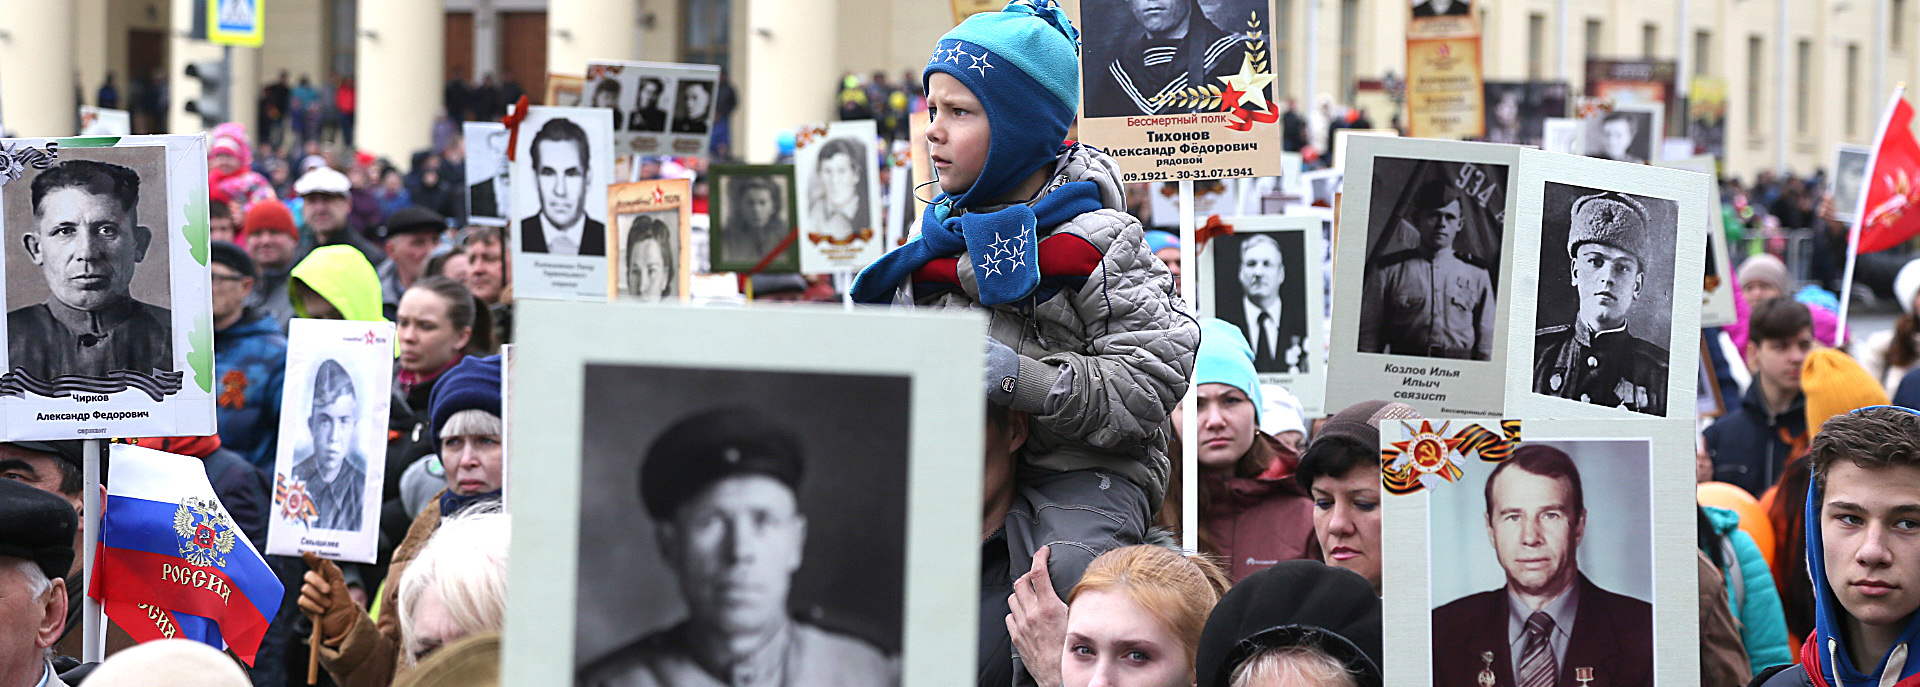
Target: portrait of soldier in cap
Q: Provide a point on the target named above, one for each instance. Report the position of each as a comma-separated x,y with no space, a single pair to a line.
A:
722,489
333,469
1150,50
85,240
1430,300
1612,243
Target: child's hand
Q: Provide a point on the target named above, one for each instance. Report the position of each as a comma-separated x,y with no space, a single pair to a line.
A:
1038,622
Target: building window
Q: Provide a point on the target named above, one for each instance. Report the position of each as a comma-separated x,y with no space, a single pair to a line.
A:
704,31
1702,48
1896,29
1593,38
1649,40
1853,89
1536,46
1349,55
1756,75
1802,84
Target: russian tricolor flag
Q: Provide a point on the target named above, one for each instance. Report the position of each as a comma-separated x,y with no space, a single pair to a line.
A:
171,562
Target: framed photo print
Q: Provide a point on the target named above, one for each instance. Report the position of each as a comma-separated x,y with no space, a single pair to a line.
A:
107,288
331,459
1265,279
838,184
660,429
658,108
752,211
652,240
561,171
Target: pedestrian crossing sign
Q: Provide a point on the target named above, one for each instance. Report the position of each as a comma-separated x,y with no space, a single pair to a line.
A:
235,22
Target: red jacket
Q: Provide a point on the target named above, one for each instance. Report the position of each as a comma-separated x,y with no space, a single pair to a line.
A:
1257,522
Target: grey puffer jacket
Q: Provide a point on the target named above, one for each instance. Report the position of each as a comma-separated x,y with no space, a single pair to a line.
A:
1101,366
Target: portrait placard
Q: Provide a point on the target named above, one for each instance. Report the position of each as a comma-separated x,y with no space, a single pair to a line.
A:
562,167
563,90
1265,278
649,257
101,121
1624,132
1429,19
1604,325
109,336
1341,136
859,469
1558,516
838,185
1445,96
1849,171
1517,110
1181,90
1422,275
331,459
1716,287
752,208
658,108
488,193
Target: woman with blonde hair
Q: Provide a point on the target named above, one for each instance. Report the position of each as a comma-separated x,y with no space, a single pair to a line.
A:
1133,620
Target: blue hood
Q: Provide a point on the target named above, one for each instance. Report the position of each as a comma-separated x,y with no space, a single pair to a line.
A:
1834,667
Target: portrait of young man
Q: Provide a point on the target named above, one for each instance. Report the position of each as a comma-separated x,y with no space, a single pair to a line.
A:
563,180
1429,300
334,471
1622,136
1549,625
1600,358
84,236
692,107
1149,50
647,115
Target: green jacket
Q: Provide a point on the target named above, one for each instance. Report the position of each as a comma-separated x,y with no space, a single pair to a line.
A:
342,275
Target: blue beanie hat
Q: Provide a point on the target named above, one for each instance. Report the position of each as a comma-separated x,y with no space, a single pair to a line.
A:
1023,64
1226,358
1158,239
473,384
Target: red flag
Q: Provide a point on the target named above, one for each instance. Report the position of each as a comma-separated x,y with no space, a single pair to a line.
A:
1890,211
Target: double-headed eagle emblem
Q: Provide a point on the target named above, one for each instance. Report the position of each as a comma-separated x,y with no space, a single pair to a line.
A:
205,533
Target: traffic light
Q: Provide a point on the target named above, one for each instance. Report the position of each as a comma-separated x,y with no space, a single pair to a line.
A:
212,103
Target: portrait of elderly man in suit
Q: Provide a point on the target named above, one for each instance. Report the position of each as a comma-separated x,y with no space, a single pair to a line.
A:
1549,625
85,235
562,180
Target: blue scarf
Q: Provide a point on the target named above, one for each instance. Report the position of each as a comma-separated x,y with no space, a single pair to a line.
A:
451,503
1003,246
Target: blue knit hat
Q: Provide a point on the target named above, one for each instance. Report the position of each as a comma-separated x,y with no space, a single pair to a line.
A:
1023,64
1225,357
473,384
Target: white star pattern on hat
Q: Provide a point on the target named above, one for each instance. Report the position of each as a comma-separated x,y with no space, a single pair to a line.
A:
954,55
980,62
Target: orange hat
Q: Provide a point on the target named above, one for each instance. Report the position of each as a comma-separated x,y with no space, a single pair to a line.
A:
1836,385
268,215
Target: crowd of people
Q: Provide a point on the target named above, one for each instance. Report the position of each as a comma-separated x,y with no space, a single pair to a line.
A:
1806,577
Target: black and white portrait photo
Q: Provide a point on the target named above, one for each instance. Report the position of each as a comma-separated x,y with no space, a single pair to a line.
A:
487,173
692,106
1605,305
1138,54
646,113
1517,110
1260,285
1433,247
333,469
563,183
749,524
753,216
1541,567
650,254
1849,171
1622,135
606,93
88,290
837,175
1442,8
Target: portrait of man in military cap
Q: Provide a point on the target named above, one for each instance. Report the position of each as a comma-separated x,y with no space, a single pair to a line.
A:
1433,243
1604,312
754,567
87,269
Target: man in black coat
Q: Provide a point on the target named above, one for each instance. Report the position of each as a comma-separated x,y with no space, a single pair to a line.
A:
562,176
1549,626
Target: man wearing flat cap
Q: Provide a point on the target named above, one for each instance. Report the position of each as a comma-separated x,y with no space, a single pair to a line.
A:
1595,359
409,237
722,487
36,555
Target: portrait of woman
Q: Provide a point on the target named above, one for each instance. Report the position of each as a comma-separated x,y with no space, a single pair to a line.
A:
650,259
838,195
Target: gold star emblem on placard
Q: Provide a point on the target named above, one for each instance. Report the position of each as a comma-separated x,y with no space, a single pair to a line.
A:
1249,84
